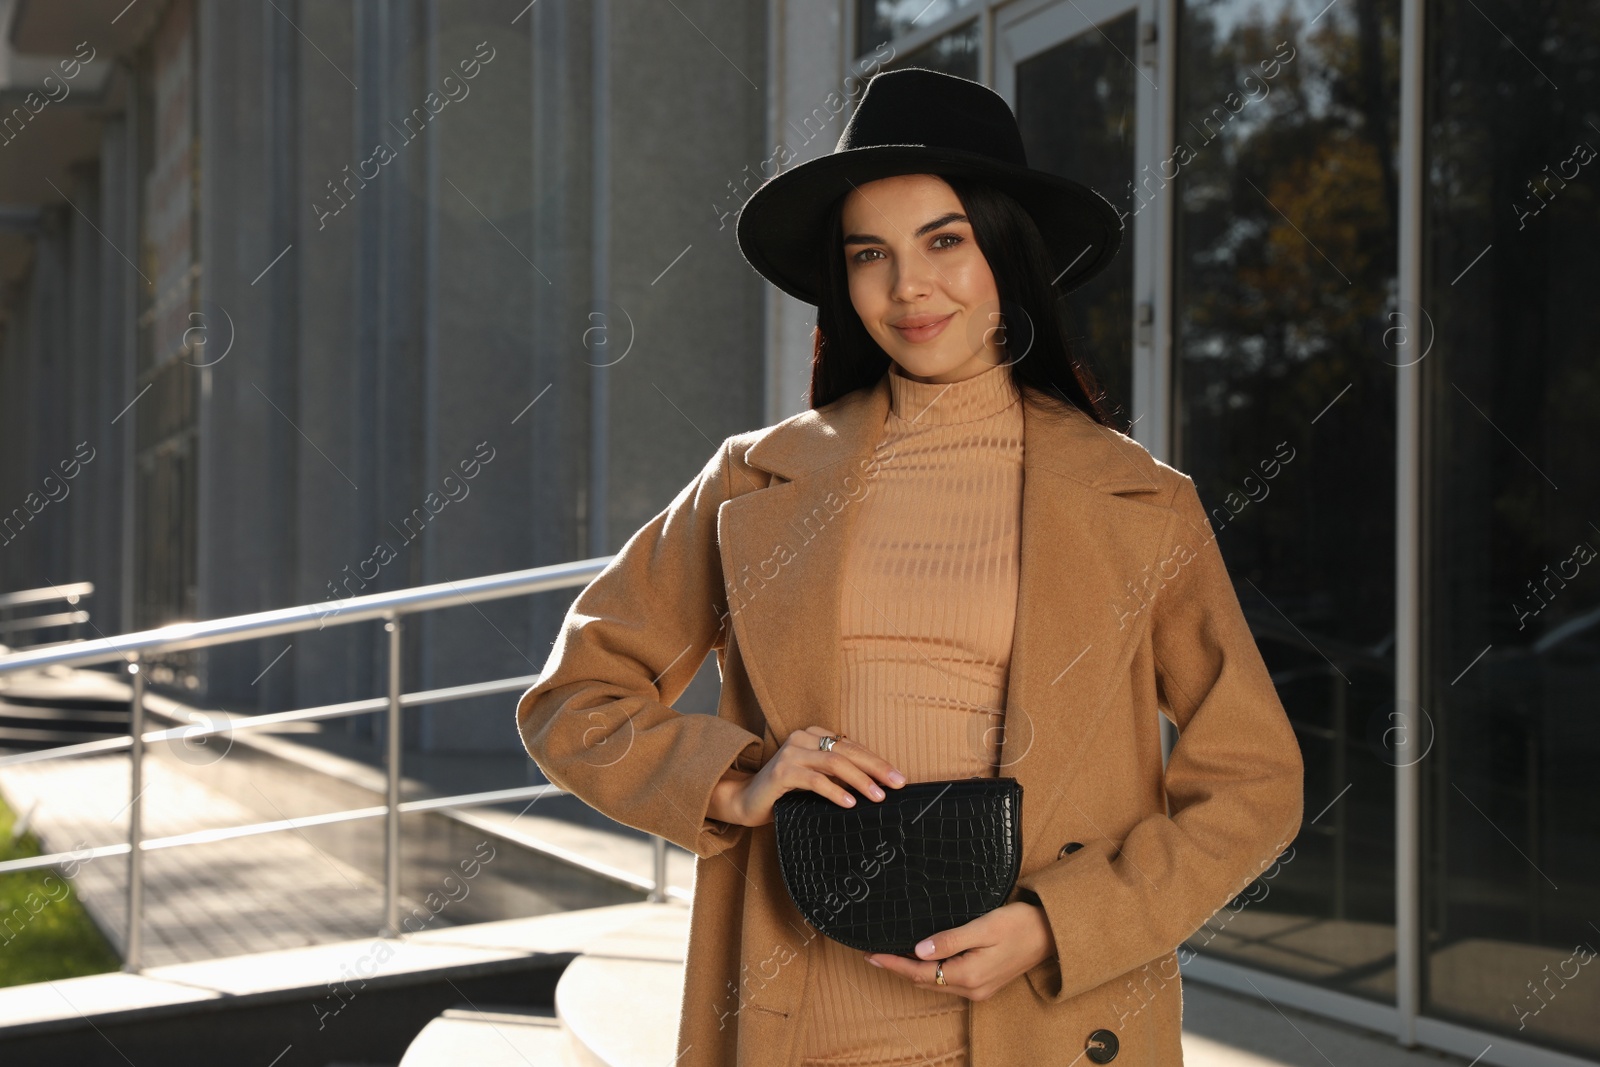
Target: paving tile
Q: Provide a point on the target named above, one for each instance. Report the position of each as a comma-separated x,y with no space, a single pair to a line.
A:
227,898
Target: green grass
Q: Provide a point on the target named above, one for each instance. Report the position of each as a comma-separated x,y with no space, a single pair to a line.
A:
44,931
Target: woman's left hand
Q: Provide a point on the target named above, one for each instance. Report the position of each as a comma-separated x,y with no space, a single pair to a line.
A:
981,956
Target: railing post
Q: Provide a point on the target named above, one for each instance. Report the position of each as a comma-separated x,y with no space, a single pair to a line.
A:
131,961
658,893
391,844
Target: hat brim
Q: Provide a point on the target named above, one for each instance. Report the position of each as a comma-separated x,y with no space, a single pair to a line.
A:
778,227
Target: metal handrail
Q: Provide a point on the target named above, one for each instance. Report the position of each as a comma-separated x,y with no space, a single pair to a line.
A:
43,622
183,636
388,607
70,594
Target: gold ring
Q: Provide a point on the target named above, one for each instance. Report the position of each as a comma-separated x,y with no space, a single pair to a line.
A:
938,973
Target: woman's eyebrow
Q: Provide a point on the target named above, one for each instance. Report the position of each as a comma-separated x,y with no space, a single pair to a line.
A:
926,227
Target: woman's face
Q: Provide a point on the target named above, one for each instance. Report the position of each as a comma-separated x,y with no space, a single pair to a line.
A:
917,279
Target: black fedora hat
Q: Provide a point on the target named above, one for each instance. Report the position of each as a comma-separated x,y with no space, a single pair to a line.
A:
917,121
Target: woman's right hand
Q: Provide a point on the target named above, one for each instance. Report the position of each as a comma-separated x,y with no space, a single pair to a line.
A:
800,764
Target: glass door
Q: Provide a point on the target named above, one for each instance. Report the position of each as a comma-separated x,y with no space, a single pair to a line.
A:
1080,76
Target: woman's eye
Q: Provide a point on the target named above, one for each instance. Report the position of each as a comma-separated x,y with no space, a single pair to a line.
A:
953,238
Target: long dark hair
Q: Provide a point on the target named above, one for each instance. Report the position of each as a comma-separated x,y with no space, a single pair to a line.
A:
845,357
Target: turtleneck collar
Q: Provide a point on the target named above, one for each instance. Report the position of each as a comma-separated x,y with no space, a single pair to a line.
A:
939,403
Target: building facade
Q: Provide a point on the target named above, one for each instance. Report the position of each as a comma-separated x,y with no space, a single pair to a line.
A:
1354,302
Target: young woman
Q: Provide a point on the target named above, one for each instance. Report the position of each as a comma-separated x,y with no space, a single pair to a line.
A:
950,566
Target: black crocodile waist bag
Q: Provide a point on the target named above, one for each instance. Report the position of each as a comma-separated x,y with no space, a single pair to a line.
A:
884,874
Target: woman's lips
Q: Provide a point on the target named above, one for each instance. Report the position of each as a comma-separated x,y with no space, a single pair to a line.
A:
915,334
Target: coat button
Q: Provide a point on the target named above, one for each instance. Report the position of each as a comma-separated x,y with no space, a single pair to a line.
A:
1069,848
1102,1046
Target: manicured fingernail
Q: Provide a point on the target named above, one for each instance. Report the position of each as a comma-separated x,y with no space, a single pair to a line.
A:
874,962
897,778
925,948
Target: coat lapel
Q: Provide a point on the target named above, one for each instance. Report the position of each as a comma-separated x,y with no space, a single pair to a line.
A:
1088,544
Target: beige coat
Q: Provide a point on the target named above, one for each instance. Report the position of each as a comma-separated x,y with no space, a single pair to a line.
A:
1124,607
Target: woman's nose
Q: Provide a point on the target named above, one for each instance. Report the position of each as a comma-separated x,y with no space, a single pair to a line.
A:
913,276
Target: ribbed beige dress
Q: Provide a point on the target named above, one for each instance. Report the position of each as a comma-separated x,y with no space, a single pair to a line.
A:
927,615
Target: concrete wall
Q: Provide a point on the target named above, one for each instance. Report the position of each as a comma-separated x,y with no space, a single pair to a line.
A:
65,368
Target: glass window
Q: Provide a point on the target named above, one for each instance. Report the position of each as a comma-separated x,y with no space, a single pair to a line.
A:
1286,163
955,53
1077,105
1511,867
878,21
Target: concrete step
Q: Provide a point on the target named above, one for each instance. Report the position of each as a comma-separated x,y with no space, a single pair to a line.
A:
490,1036
616,1003
362,1001
27,724
619,1000
41,710
32,738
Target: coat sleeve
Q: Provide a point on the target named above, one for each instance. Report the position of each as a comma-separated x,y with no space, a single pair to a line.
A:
1234,783
599,723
